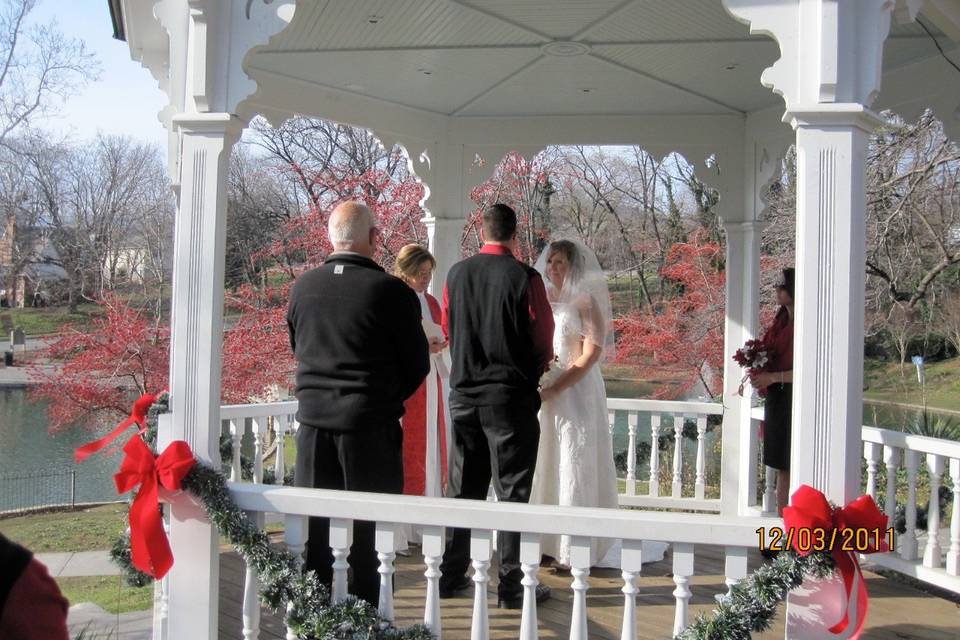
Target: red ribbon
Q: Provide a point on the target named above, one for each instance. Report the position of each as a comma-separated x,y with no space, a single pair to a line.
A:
810,510
138,416
148,541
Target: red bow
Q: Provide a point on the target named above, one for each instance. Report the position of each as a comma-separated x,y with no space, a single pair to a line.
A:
148,541
810,510
138,416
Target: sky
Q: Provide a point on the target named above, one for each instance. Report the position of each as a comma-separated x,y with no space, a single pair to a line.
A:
125,100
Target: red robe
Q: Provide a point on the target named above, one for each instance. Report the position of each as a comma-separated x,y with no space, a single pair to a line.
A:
415,429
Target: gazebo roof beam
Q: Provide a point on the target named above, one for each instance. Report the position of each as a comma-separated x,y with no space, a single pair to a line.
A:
602,19
674,85
497,84
533,46
496,16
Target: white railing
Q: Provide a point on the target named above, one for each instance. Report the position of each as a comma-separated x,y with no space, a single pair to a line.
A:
934,559
683,530
934,556
667,484
666,418
261,420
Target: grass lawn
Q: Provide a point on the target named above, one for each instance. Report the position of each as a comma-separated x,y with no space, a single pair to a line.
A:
882,381
110,593
82,530
45,320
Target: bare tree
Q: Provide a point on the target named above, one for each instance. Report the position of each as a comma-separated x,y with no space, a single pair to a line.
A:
38,65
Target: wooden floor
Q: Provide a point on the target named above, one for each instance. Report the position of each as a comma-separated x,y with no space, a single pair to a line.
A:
897,611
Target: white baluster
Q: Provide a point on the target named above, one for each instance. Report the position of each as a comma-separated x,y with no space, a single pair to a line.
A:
735,567
871,453
612,420
341,537
295,537
386,545
932,553
630,565
480,550
908,541
259,428
251,599
891,460
953,555
655,455
632,453
580,570
770,491
700,486
529,564
431,539
236,434
279,465
161,593
678,421
682,570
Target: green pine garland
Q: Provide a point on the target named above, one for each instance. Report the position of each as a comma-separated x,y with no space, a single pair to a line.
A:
282,579
753,601
749,607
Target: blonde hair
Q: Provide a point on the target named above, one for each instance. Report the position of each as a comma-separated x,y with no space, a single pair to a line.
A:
409,260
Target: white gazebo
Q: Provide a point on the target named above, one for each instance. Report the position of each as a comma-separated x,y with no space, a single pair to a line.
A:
451,80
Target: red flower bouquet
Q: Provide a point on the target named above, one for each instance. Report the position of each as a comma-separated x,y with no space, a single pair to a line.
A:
754,356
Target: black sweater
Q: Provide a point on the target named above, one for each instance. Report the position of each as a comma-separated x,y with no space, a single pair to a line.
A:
359,342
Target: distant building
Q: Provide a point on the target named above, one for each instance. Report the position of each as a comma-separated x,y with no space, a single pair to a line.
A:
30,269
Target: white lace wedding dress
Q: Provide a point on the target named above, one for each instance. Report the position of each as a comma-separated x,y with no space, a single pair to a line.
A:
575,458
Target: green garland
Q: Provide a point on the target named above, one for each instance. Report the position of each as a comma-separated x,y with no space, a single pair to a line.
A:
282,579
749,607
753,601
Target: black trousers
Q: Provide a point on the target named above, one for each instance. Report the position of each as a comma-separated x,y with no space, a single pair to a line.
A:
370,460
499,443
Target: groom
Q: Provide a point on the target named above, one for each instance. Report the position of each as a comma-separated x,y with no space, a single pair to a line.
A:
498,320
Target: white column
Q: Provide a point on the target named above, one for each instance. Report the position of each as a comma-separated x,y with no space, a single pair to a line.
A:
828,311
197,319
738,475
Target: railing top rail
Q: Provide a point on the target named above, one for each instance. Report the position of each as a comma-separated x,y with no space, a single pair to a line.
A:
912,442
664,406
478,514
258,410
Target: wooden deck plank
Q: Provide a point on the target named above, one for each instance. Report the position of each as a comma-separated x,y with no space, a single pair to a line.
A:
897,611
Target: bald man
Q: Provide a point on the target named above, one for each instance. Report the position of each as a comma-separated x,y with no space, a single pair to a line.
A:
361,351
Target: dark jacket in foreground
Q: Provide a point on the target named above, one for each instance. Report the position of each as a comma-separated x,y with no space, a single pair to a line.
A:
359,342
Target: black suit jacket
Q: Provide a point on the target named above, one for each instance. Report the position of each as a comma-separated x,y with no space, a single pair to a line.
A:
359,342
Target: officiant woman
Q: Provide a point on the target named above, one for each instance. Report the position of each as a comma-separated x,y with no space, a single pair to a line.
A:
424,440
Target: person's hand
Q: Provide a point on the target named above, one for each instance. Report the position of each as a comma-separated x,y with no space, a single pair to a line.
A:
547,393
437,345
762,380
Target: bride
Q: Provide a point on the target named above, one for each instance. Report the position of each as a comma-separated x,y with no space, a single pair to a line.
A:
575,464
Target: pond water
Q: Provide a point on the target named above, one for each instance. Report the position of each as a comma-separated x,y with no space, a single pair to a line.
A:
35,466
27,448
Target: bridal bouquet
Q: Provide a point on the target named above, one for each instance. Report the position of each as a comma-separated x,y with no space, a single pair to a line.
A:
551,374
754,356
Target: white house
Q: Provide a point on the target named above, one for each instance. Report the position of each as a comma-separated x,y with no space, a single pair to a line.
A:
453,80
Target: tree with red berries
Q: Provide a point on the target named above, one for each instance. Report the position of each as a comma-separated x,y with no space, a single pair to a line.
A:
681,338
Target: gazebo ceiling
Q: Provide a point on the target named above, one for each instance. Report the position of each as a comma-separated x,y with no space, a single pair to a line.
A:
540,57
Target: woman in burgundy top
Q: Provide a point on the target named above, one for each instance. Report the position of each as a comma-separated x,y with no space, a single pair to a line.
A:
778,381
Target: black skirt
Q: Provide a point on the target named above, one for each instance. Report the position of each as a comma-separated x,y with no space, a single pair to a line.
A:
777,411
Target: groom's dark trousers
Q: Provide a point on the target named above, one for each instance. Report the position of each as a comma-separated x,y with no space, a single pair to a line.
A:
499,443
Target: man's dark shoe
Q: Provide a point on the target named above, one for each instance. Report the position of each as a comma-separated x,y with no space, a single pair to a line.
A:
515,600
454,587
